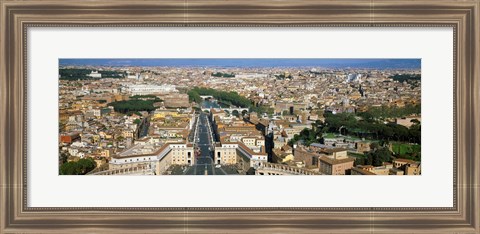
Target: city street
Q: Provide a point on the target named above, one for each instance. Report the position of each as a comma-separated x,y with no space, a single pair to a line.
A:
204,164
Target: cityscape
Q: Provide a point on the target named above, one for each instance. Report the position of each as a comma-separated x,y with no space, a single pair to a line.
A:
239,116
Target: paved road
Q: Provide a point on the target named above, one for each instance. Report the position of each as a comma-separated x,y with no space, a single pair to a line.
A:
204,164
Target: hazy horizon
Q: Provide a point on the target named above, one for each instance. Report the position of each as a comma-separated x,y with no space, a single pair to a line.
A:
248,62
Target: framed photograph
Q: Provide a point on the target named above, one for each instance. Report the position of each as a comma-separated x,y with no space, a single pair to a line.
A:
239,116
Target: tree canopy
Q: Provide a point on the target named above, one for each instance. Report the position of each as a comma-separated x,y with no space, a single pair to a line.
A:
406,77
194,96
81,167
221,74
230,98
309,136
383,112
135,104
375,157
370,125
362,126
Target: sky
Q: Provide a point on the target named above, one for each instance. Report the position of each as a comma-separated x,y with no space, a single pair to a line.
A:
248,62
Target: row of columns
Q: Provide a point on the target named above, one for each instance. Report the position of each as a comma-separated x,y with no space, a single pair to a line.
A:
124,171
284,168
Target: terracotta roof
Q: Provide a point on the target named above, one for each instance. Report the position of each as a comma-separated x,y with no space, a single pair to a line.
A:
330,161
361,171
250,151
404,160
286,147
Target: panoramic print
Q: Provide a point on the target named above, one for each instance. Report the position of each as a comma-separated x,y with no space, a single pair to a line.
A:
239,117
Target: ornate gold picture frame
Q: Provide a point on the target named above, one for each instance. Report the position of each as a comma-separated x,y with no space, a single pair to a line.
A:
17,16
